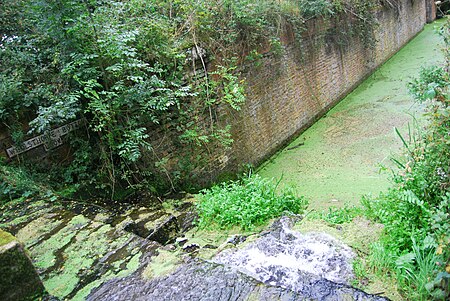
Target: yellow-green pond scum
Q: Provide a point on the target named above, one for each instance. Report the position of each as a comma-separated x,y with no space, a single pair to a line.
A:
342,154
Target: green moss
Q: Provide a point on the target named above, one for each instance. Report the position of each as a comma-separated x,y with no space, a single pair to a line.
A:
44,255
18,280
5,238
16,221
88,244
67,249
342,152
19,222
358,234
85,291
131,266
60,285
35,230
163,264
152,224
217,240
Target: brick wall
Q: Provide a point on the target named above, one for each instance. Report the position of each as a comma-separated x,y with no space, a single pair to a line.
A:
287,94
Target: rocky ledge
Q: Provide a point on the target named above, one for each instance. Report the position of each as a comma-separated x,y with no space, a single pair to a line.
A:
150,254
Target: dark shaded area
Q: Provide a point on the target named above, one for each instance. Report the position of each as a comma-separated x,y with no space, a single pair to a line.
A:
443,9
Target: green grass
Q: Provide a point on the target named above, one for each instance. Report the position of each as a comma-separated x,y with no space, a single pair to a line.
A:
338,216
418,269
247,203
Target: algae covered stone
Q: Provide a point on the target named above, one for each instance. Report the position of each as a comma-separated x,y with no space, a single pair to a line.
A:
5,238
19,280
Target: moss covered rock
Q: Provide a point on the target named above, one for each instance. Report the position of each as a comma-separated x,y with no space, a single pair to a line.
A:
19,280
5,238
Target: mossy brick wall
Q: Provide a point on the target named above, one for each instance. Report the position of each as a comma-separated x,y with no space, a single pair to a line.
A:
288,93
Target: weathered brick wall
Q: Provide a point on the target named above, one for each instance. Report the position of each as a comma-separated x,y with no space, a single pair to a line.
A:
287,94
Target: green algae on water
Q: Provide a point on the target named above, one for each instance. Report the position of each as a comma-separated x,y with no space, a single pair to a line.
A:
341,155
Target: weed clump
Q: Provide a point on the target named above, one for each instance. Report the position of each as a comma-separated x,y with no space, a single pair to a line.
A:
246,203
338,216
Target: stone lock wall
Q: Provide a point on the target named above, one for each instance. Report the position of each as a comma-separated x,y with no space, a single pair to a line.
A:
18,278
287,94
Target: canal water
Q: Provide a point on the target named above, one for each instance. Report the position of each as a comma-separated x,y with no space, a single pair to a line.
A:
346,154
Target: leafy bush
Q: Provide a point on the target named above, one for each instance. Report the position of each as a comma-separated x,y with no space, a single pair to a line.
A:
246,203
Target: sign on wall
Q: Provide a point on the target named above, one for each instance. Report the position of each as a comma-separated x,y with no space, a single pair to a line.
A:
50,140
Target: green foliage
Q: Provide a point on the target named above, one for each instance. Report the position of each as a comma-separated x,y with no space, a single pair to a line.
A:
402,214
416,210
417,268
381,259
16,182
313,9
246,203
431,84
340,215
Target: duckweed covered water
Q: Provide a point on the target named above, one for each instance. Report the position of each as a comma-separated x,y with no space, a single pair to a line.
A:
344,151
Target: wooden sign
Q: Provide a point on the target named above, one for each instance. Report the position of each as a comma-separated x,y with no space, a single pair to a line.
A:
50,139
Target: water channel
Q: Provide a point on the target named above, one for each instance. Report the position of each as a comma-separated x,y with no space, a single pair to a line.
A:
340,157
